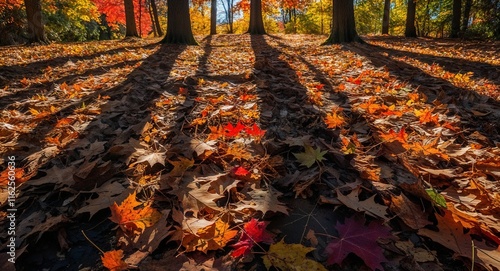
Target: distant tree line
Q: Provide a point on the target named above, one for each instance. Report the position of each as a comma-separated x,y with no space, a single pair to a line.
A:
42,21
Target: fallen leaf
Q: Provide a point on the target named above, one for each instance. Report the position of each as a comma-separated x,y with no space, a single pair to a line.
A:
369,205
310,156
180,166
253,232
411,214
291,257
112,260
212,237
360,239
131,217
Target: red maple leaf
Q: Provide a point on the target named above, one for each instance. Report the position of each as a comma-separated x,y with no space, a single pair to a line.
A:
253,232
241,171
232,131
359,239
255,131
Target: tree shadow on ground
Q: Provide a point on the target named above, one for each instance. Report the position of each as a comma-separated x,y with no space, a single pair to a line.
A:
82,170
287,113
481,70
463,102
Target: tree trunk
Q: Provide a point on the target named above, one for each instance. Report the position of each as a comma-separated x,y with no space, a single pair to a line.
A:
455,19
385,20
256,23
231,15
36,29
213,17
131,30
179,23
155,15
410,30
153,22
467,8
344,27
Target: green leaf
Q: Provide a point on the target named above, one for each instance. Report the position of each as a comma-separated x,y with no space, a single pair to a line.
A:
310,156
436,197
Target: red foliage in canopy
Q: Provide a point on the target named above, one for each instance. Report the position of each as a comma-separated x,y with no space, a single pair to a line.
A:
115,14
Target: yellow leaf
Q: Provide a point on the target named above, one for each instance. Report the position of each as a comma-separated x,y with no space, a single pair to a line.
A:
291,257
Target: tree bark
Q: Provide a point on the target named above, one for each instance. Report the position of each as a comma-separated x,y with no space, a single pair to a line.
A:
213,17
155,15
131,28
36,28
410,30
256,23
179,23
465,21
344,27
385,19
455,19
153,22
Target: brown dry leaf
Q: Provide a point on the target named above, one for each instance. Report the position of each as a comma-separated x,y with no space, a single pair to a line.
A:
450,234
262,200
212,237
369,205
409,212
180,166
131,217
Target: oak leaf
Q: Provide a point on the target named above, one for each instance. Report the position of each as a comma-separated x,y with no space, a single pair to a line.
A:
253,232
112,260
291,257
131,216
360,239
310,156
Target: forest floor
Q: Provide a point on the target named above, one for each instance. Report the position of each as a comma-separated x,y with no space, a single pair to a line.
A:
167,157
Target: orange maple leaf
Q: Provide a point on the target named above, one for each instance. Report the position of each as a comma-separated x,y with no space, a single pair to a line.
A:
426,117
216,132
427,149
334,120
112,260
131,217
391,136
212,237
371,106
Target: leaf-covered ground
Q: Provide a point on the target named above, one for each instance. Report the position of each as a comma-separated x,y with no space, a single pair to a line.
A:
252,152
